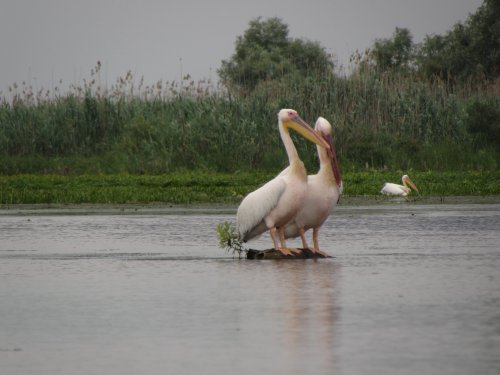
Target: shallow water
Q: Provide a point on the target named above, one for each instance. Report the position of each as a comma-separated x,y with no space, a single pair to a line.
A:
413,289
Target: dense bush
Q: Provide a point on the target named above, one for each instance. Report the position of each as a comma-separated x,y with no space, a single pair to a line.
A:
483,122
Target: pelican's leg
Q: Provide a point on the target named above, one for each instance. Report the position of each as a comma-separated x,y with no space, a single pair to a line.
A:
284,249
303,238
316,243
315,238
275,238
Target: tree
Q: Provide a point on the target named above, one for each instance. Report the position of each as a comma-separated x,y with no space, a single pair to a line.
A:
395,52
468,50
430,58
265,52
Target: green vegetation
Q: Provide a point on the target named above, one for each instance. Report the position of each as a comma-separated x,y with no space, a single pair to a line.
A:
176,188
384,121
469,51
202,187
432,110
228,239
428,183
265,53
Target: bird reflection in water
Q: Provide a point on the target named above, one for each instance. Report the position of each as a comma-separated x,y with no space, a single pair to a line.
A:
310,290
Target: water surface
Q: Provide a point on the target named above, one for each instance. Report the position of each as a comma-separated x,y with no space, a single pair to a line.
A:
413,289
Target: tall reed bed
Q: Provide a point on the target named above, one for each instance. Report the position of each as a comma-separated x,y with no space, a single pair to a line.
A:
386,121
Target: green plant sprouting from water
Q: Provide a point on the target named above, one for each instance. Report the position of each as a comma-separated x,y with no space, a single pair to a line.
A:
228,239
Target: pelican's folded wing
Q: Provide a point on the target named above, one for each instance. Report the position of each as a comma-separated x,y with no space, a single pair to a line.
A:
256,206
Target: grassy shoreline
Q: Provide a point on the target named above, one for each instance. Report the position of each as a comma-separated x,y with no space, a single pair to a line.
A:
194,188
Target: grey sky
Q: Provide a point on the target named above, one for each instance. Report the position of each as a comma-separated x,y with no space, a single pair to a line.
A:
43,41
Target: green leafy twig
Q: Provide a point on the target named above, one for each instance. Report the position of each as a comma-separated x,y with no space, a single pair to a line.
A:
228,239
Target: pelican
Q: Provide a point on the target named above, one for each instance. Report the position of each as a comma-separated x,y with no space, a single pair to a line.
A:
395,189
323,192
277,202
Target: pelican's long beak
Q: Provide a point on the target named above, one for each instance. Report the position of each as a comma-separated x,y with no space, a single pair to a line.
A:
305,130
411,183
333,158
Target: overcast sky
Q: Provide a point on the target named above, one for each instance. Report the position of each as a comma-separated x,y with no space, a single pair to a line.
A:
44,41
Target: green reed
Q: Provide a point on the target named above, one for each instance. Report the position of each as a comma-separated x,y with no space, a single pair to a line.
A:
384,121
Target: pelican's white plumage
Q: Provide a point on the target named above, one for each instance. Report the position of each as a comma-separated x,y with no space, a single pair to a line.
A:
394,189
277,202
322,194
256,205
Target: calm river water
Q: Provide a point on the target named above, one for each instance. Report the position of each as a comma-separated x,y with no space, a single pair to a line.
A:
413,289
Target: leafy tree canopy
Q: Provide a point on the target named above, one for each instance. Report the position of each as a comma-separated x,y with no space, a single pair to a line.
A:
395,52
468,50
266,52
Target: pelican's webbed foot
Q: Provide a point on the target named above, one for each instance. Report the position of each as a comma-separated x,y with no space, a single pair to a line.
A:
288,251
318,251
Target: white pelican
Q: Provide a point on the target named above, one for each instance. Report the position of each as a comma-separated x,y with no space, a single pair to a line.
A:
323,192
277,202
395,189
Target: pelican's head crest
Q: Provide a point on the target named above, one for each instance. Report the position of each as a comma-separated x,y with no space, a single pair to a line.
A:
323,126
287,114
